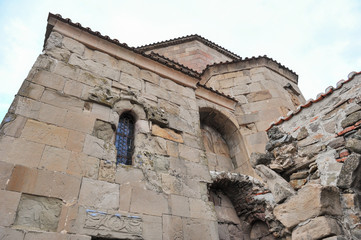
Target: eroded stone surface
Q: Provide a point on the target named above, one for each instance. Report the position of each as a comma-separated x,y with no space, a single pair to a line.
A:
38,213
317,228
280,188
311,201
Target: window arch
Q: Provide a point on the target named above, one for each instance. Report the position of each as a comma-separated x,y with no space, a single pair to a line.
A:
124,140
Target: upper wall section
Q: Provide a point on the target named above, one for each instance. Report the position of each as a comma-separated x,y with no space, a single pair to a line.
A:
193,54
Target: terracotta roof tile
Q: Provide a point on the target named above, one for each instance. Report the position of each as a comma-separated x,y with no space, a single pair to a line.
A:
216,91
249,59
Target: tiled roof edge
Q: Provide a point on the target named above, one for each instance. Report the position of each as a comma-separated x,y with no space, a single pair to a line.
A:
249,59
168,63
328,91
189,38
217,92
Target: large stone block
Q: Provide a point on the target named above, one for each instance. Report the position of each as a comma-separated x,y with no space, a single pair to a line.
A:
54,236
44,133
195,229
189,153
130,81
75,141
166,133
172,227
73,45
11,234
279,187
179,205
74,88
79,121
38,213
201,209
317,228
311,201
25,153
80,164
148,202
44,183
52,114
349,172
259,96
5,173
152,227
149,76
99,194
49,80
27,107
13,126
63,101
198,171
54,159
133,176
8,204
156,91
31,90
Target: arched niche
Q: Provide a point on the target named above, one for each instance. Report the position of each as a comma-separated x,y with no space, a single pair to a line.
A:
241,213
218,125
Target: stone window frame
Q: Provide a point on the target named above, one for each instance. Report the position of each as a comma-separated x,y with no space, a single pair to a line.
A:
124,138
137,111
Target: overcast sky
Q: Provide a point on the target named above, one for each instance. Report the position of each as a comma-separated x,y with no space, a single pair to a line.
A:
319,40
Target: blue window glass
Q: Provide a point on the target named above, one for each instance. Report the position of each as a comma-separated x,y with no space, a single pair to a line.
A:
124,140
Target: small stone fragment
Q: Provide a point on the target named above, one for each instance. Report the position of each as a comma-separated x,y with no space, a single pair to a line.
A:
351,119
348,174
354,145
302,134
260,158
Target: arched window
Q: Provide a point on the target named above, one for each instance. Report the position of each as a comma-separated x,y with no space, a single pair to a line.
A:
124,140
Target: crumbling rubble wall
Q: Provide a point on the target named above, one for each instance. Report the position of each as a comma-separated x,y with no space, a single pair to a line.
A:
312,165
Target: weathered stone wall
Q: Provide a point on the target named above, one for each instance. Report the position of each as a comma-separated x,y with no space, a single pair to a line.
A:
58,155
314,156
193,54
263,95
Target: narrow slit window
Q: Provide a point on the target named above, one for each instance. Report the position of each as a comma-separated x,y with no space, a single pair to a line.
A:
124,140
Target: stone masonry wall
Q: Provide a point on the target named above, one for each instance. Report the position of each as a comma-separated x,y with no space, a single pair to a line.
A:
193,54
314,157
263,95
58,155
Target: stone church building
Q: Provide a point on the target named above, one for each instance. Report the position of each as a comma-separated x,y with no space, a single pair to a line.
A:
180,139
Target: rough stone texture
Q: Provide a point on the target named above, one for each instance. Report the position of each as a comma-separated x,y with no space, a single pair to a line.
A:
260,158
8,204
148,202
99,194
349,175
11,234
351,119
38,182
5,173
317,228
166,133
354,145
103,130
65,114
172,227
311,201
303,133
38,213
279,187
